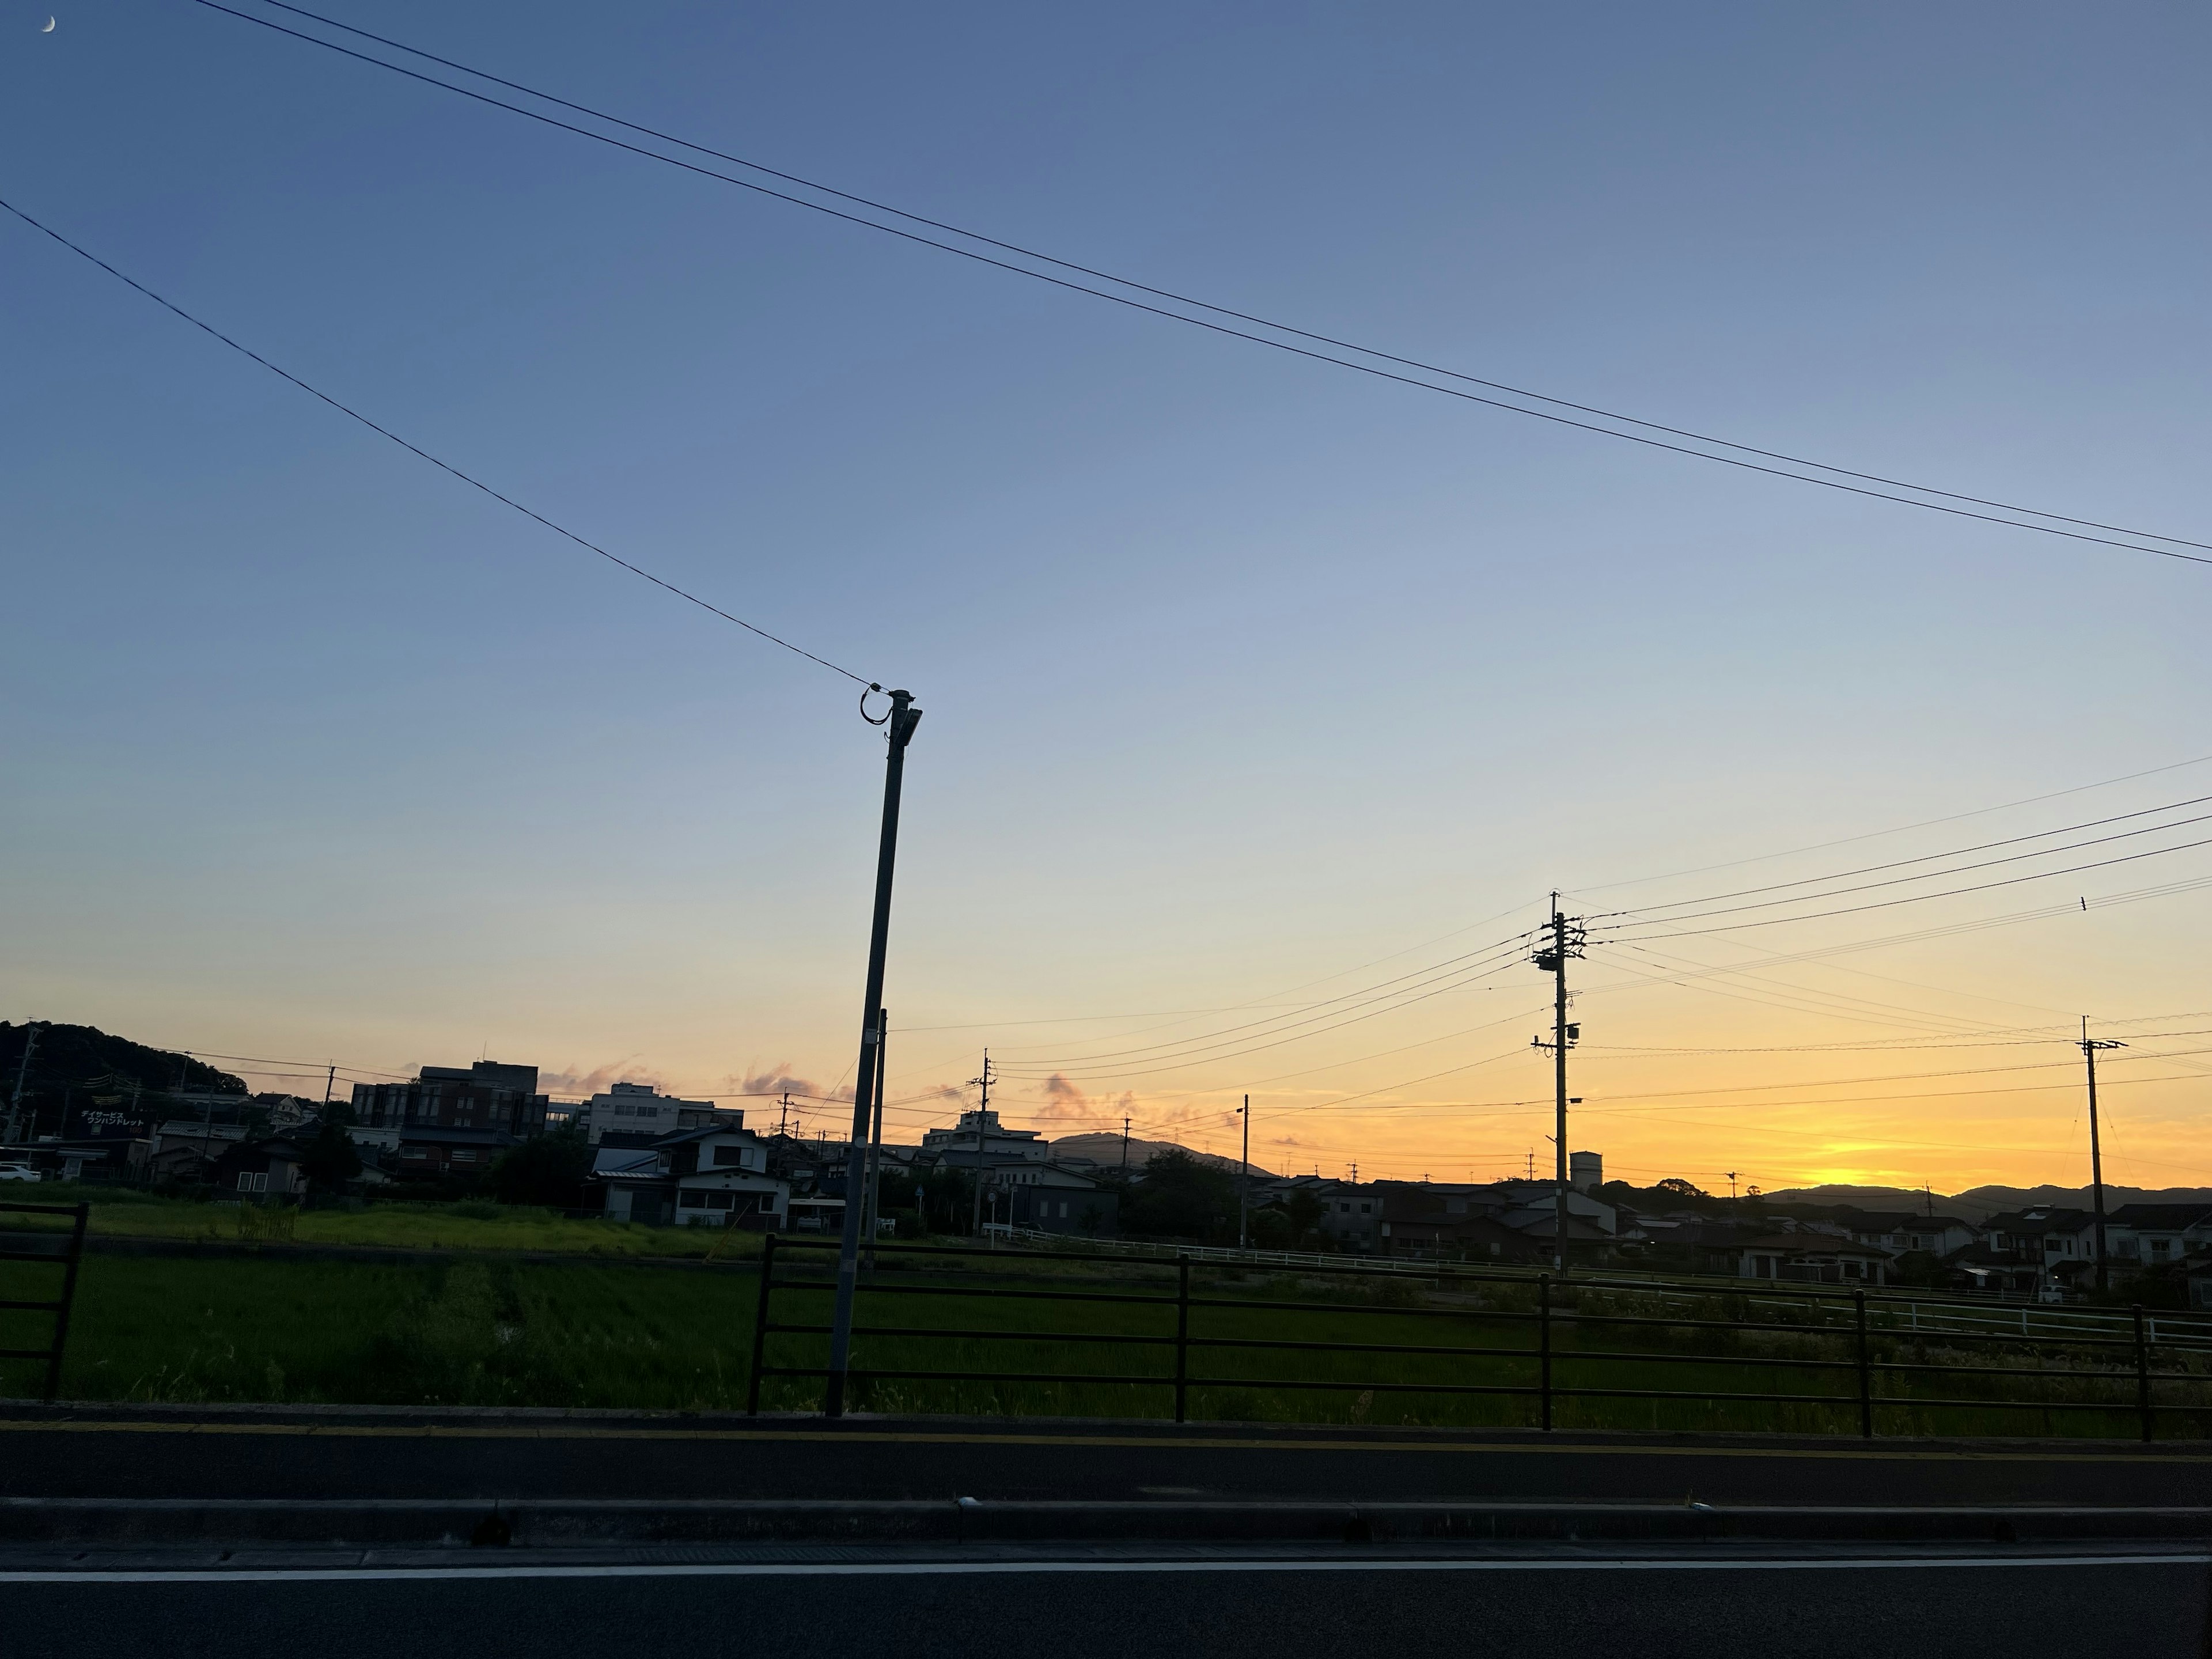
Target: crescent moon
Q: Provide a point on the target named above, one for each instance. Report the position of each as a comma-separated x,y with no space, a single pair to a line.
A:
49,28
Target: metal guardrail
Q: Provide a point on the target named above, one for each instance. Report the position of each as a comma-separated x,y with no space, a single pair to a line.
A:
1924,1311
67,1258
1547,1365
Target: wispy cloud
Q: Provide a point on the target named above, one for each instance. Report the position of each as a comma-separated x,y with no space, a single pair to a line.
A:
780,1079
599,1079
1066,1106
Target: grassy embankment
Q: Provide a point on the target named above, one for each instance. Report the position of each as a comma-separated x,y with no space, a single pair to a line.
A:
607,1333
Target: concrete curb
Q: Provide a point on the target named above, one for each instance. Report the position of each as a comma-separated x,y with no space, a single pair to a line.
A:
557,1522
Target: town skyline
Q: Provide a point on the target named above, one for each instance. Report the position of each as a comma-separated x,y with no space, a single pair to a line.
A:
1243,671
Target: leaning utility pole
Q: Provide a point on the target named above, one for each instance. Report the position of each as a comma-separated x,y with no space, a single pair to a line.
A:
2089,1046
982,1113
330,1083
1566,943
876,1137
31,1030
899,723
1244,1185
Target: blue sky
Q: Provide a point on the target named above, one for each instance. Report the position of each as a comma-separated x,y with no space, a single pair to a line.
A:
1239,672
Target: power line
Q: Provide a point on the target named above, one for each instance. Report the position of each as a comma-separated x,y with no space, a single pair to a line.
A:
424,455
1900,829
1931,858
1950,892
1836,482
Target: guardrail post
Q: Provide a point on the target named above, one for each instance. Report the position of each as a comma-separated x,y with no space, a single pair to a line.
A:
69,1298
760,1324
1182,1333
1866,1372
1544,1341
2142,1374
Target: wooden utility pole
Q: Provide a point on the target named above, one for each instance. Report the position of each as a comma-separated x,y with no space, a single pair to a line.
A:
1244,1185
983,1114
2089,1046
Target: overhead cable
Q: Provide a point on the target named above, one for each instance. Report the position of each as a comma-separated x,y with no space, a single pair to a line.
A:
417,451
1283,345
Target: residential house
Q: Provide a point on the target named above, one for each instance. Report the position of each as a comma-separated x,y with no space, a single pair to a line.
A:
1058,1199
2045,1236
1901,1231
1808,1257
1424,1220
710,1176
431,1152
269,1168
2156,1235
185,1151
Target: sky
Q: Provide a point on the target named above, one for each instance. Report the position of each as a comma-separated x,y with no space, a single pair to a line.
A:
1250,683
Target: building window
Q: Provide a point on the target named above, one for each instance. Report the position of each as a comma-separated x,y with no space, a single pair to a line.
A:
253,1183
692,1201
461,1155
730,1155
721,1201
1367,1209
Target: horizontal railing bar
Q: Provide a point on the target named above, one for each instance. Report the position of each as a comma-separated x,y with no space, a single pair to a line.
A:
1290,1346
2113,1376
1690,1394
59,1258
973,1376
1635,1357
991,1336
1529,1390
784,1242
1569,1317
27,1354
32,1307
1261,1303
987,1290
2127,1408
13,1208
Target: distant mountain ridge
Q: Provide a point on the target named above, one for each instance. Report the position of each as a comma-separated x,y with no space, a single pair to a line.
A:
1103,1148
1979,1203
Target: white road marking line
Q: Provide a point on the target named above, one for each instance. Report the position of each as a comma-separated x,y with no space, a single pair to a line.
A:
924,1569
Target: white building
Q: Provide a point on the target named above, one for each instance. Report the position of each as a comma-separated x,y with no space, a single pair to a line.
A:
640,1108
950,1147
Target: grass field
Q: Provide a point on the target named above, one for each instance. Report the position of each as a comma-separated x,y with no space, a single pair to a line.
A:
466,1334
466,1226
613,1333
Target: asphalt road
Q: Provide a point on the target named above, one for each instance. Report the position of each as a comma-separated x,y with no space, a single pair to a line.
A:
140,1452
2082,1607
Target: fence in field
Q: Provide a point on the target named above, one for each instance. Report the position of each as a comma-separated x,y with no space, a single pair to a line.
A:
1927,1310
63,1251
1073,1333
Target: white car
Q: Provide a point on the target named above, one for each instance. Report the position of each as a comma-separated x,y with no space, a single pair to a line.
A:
17,1172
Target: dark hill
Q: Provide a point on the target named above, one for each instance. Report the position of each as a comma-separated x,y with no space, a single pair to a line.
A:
75,1067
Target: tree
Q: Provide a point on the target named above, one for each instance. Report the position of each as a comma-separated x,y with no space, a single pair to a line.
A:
331,1160
551,1171
1181,1197
1305,1212
1681,1188
1271,1228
